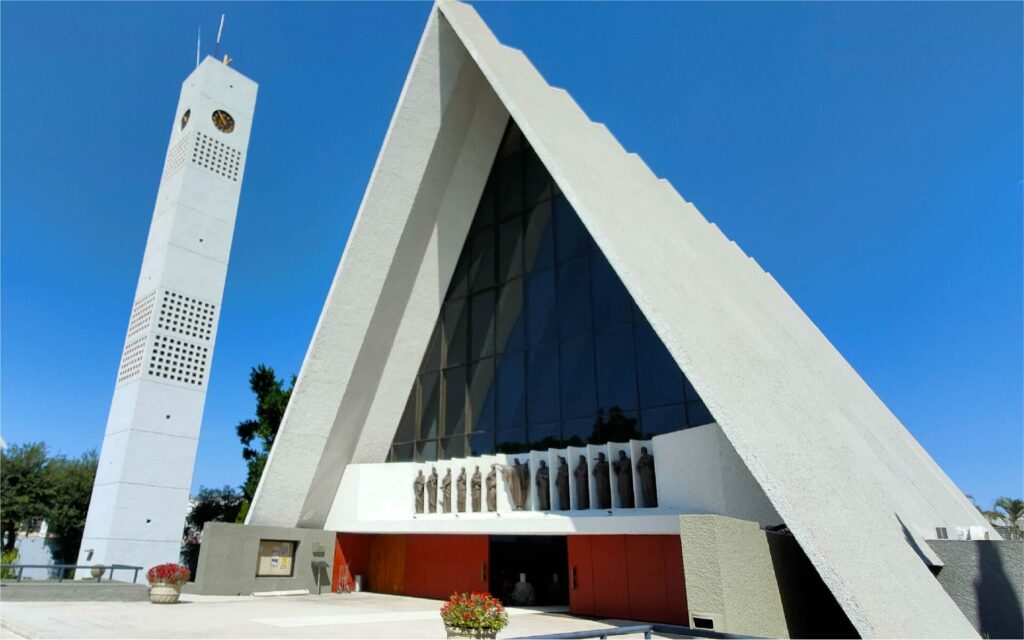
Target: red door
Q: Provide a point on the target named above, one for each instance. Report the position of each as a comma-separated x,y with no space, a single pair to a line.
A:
438,565
581,576
628,577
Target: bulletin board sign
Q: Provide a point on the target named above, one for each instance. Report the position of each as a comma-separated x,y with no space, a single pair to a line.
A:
276,559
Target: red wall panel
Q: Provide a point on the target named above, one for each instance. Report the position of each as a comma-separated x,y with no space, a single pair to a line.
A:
646,569
611,586
438,565
630,577
581,576
676,610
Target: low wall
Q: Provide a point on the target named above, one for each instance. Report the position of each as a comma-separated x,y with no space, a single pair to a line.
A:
72,591
229,554
986,580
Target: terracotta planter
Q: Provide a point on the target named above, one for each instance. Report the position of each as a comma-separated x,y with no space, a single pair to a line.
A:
163,593
455,632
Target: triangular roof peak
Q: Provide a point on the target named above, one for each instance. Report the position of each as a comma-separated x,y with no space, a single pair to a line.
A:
854,487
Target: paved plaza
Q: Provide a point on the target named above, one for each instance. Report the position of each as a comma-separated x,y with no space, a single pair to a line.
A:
355,615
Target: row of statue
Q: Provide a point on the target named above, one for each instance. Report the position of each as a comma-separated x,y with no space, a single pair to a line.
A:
517,479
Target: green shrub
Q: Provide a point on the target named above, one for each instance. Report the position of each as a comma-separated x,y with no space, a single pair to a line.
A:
9,557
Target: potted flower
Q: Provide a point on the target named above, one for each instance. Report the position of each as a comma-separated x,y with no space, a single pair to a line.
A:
473,615
165,582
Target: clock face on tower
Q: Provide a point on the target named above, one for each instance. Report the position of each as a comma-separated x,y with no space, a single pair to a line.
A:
184,117
223,121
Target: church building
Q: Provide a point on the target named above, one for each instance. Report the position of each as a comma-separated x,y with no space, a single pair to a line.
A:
541,372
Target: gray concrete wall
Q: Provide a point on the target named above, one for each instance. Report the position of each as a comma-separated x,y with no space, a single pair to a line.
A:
228,556
729,576
986,580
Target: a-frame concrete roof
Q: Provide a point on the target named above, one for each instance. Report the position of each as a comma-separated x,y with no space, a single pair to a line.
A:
855,488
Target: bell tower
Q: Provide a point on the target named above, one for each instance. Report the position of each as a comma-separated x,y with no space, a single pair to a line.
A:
141,492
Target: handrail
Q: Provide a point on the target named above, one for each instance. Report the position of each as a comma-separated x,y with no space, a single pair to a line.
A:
645,629
64,567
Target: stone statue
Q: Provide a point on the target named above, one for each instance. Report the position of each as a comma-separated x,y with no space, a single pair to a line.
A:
476,486
648,485
602,482
492,489
517,479
624,473
432,491
460,491
543,487
446,492
582,484
562,484
417,489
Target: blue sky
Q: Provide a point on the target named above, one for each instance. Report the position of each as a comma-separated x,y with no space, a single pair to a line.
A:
867,155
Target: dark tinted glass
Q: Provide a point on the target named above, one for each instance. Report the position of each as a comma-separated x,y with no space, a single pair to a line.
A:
574,297
510,319
430,392
541,318
539,344
481,394
481,313
455,400
616,370
511,390
661,382
456,331
576,369
542,384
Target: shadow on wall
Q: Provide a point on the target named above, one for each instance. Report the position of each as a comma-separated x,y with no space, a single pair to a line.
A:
810,608
999,606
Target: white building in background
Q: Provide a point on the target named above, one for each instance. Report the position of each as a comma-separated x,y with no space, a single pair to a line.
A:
145,468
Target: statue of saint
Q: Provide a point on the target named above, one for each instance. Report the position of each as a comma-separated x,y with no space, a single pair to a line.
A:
624,480
543,487
492,489
517,479
432,491
562,484
582,484
476,486
417,489
460,491
648,486
446,492
602,482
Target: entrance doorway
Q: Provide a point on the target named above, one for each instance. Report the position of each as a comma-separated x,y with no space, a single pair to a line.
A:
544,560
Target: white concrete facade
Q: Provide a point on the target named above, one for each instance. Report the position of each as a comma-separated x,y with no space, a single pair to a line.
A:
698,472
858,492
142,485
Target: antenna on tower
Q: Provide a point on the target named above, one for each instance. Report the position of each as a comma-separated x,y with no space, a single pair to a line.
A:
220,30
199,40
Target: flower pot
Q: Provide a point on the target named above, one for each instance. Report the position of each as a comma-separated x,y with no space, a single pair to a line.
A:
456,632
163,593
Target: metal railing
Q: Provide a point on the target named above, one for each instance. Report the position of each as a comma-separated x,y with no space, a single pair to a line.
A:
61,570
646,629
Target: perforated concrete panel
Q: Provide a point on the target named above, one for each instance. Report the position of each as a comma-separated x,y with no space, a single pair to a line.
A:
145,469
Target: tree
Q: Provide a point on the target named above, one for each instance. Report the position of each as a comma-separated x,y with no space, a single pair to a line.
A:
211,505
70,482
258,435
1010,510
24,489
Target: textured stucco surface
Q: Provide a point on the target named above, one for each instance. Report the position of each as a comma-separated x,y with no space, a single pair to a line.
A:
228,557
141,491
986,580
729,576
857,491
389,286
